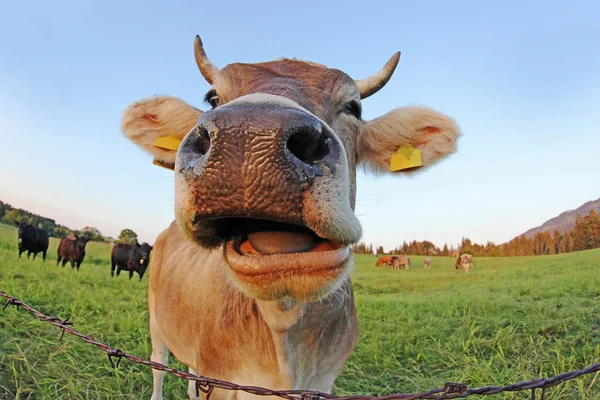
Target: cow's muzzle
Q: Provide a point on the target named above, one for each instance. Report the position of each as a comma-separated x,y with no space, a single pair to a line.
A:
255,161
251,176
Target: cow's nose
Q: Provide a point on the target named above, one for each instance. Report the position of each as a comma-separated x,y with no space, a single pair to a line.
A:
307,143
247,141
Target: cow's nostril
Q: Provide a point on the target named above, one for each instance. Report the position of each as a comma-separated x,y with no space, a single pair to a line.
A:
201,141
308,146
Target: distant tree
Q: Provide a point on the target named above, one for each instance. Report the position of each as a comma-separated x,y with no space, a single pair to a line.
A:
592,224
128,236
4,208
92,234
569,243
579,234
557,241
445,252
13,215
380,250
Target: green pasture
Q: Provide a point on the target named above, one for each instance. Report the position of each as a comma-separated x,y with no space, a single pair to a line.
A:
508,320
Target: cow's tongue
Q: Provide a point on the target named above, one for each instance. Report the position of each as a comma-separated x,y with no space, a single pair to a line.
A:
267,243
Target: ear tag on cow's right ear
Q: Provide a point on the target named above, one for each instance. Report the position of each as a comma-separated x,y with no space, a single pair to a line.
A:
404,158
168,142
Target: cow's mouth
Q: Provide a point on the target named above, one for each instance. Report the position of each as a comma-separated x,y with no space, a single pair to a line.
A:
256,246
270,260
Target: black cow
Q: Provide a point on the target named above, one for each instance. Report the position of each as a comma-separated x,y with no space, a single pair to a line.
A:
130,257
32,240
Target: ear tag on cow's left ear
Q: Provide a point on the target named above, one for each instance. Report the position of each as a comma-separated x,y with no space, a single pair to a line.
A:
404,158
168,142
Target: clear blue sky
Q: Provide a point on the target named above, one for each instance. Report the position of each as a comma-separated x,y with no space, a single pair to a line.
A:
521,78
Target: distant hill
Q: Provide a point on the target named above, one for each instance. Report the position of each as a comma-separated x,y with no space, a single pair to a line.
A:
566,220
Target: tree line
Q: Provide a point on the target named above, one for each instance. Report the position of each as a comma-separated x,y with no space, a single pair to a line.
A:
10,214
584,236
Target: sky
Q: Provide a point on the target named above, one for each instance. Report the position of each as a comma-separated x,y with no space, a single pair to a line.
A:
522,80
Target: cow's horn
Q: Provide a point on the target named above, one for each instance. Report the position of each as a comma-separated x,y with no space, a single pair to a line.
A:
372,84
208,70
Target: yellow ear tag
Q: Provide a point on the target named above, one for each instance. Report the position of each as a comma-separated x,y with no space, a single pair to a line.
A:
168,142
406,157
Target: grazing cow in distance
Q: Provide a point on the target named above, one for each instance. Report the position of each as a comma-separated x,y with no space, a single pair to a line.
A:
130,257
32,240
384,260
250,284
400,262
427,264
464,261
454,253
71,249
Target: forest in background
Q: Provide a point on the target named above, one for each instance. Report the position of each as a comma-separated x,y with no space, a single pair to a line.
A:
9,215
584,236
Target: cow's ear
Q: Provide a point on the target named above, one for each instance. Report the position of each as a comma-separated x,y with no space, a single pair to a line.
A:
417,137
158,125
16,223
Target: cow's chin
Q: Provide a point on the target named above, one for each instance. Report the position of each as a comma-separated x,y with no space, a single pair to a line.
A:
277,260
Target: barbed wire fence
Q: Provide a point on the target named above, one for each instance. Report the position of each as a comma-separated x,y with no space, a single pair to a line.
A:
451,390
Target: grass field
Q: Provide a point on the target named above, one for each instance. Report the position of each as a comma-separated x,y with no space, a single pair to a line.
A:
509,319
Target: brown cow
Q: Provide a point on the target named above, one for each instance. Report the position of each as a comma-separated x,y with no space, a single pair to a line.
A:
250,284
384,260
427,264
71,249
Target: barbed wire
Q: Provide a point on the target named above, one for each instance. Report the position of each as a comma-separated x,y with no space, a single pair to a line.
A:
451,390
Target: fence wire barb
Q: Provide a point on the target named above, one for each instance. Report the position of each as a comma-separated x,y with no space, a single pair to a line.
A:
451,390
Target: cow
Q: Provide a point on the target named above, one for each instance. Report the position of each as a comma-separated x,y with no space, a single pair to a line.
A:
464,261
32,240
384,260
250,283
454,254
427,264
71,249
130,257
400,262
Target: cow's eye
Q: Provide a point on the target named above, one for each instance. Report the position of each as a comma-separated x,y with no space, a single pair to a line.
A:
354,108
212,98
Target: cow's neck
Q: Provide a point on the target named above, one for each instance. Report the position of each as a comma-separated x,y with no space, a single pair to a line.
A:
280,316
312,340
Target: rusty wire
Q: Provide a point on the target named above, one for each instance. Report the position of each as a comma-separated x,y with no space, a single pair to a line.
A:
451,390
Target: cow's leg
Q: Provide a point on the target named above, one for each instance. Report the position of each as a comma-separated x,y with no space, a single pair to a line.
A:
130,273
72,264
44,255
34,255
192,386
112,268
28,254
58,260
118,270
160,354
64,262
